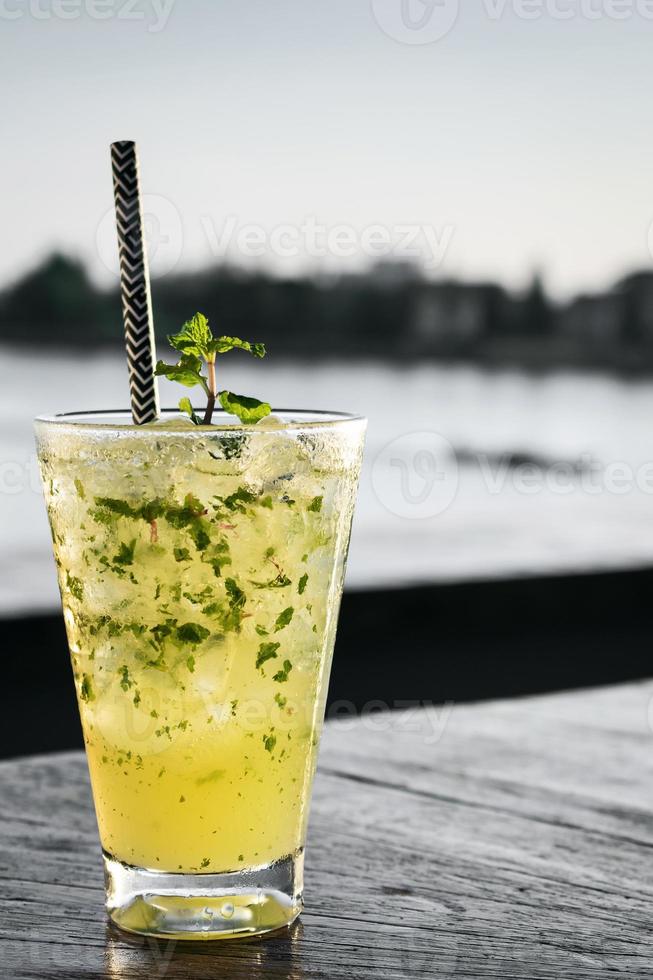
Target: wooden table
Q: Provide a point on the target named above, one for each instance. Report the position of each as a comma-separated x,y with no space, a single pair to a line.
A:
505,840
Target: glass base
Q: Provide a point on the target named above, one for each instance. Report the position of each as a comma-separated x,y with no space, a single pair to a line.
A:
205,906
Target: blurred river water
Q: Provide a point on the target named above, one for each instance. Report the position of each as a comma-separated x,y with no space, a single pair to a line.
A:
469,474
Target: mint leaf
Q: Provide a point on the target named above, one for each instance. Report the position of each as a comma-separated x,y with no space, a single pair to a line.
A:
184,516
191,633
266,651
125,554
316,505
161,631
187,409
284,618
194,337
281,676
220,345
248,410
187,372
75,586
239,497
301,585
119,507
235,593
125,680
86,690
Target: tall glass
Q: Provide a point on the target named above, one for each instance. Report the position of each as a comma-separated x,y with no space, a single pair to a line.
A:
201,569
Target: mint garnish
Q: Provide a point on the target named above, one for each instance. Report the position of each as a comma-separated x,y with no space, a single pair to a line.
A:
186,407
248,410
196,344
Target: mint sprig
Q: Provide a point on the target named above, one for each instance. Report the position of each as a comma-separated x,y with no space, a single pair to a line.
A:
197,345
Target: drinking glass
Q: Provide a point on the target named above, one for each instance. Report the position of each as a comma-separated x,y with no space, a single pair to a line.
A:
201,570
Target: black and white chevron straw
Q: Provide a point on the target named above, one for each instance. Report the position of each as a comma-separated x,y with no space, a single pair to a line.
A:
134,283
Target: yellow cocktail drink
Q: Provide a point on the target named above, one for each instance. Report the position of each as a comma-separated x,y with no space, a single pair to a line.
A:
201,570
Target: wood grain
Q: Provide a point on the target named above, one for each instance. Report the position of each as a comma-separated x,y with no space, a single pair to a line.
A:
506,840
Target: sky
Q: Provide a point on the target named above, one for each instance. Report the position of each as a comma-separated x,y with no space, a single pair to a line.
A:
489,140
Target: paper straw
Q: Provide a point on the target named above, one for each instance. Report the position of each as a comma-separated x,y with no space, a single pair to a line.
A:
134,283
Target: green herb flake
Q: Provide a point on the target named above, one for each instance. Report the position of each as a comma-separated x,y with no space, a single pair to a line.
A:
315,505
238,499
269,742
303,582
125,680
86,692
181,554
281,676
211,777
79,487
75,586
191,633
266,651
125,554
283,619
235,593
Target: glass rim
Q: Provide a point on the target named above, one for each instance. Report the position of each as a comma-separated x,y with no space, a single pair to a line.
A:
107,420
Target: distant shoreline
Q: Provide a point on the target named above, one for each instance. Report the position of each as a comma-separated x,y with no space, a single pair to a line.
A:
392,313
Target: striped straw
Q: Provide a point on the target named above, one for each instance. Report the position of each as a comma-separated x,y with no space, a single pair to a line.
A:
134,283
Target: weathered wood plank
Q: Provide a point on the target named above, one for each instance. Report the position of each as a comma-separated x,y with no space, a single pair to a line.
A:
507,840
